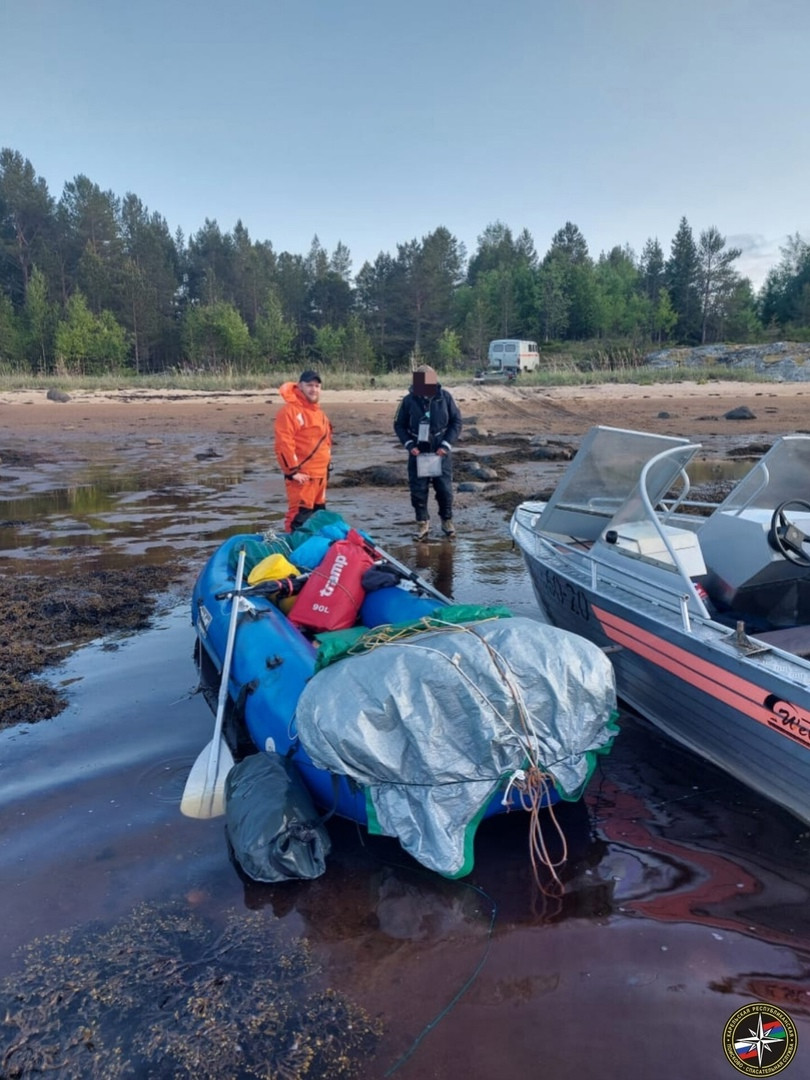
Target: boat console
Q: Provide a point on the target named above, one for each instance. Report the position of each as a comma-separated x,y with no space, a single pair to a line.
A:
748,575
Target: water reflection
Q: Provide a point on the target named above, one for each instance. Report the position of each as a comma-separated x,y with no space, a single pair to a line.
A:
438,559
703,852
111,506
400,903
401,899
714,470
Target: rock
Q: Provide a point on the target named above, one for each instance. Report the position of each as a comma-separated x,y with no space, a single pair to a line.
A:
481,472
778,361
742,412
751,450
545,449
57,395
664,415
551,453
371,476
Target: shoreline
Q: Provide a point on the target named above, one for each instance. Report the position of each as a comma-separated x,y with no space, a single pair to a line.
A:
469,390
686,409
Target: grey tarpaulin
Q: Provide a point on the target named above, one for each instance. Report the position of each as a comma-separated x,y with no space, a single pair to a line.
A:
273,827
430,724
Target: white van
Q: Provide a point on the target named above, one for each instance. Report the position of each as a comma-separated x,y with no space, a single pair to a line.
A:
510,356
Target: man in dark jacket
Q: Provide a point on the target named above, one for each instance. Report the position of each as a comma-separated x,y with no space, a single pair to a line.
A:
427,424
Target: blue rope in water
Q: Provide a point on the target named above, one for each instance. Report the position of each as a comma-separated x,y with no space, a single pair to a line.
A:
459,993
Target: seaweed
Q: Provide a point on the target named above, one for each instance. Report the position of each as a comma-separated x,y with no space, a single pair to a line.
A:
166,993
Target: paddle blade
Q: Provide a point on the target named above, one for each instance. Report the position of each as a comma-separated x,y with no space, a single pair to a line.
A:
204,794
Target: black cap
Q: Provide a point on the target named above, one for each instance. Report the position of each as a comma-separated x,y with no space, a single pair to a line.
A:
310,376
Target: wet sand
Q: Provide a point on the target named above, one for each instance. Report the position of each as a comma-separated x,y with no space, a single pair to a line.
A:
686,896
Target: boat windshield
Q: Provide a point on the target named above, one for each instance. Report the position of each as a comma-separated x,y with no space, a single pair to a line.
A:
605,473
782,475
664,474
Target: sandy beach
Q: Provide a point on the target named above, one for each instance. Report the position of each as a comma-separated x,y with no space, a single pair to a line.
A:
693,409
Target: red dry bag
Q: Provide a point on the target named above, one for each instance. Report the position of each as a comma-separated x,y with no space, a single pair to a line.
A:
333,593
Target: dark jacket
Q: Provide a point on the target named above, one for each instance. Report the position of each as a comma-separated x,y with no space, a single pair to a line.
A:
442,412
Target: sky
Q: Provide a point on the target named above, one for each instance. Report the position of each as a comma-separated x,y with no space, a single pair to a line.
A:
372,123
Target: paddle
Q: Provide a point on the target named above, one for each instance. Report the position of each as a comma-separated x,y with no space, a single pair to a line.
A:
406,572
204,793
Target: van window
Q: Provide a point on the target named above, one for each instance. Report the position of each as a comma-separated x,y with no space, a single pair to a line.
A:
510,346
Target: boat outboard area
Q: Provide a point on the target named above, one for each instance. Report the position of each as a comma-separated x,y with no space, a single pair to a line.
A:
396,707
703,607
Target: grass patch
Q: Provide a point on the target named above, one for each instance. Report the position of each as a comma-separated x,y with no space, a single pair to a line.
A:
558,371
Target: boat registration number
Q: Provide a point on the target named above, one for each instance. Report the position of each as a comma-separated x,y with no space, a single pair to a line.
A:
566,595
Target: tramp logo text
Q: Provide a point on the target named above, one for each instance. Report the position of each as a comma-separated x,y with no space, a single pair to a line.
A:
331,583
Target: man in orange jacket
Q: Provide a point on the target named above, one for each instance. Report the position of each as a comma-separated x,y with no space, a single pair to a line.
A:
303,447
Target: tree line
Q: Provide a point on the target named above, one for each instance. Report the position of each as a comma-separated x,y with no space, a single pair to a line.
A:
93,283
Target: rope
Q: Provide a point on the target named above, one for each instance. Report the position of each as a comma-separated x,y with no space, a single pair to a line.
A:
459,993
538,788
272,537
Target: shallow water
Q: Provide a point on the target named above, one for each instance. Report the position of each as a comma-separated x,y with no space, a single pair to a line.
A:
686,896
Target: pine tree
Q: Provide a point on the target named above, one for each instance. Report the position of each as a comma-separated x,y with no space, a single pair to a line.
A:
682,284
717,280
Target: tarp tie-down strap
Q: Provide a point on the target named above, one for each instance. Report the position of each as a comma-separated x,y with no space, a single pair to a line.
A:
517,777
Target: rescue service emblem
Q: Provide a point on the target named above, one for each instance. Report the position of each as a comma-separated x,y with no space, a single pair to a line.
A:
760,1040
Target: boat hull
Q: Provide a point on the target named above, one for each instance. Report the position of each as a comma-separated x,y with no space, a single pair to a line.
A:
749,717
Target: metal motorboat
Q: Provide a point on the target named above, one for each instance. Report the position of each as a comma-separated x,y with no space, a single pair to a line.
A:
703,608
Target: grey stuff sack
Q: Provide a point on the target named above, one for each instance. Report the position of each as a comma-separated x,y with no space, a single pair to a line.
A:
273,827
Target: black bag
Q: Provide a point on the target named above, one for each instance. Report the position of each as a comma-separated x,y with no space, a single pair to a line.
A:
273,827
383,576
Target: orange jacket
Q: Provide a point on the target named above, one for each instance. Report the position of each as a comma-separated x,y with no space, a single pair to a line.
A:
301,429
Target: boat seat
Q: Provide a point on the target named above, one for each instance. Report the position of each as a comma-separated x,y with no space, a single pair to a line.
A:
643,540
792,639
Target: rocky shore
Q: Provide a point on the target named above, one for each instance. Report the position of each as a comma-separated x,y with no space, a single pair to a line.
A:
782,361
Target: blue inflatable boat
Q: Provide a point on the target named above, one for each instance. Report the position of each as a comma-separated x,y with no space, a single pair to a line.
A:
420,719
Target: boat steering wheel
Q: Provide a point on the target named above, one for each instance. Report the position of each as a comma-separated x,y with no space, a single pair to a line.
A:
787,538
